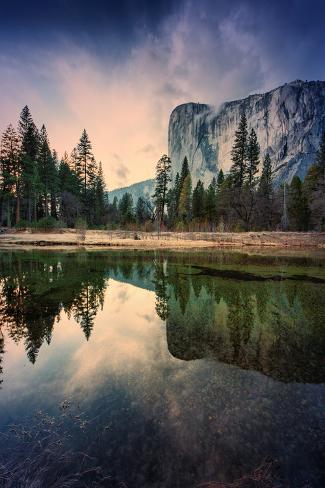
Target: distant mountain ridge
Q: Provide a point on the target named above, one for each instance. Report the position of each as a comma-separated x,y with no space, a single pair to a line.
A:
142,189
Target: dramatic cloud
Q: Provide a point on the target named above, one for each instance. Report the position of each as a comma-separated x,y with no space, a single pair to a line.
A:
122,85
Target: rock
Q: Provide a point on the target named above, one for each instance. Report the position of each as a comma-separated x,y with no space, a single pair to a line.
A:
288,120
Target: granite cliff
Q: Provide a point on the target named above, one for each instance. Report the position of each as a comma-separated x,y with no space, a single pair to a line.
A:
288,120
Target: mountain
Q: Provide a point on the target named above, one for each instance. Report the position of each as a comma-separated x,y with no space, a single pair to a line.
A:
142,189
288,120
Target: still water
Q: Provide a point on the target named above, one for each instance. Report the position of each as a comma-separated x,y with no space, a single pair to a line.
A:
169,370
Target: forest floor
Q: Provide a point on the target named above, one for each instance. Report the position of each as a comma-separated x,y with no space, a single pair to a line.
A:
168,240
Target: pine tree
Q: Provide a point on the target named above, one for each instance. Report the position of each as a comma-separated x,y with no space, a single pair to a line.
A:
86,167
252,158
265,194
10,174
163,169
67,179
298,206
125,209
185,200
46,169
73,161
54,184
171,207
100,196
179,183
198,205
266,180
68,188
239,155
28,134
177,193
220,179
29,148
211,202
142,211
113,211
184,172
314,189
87,173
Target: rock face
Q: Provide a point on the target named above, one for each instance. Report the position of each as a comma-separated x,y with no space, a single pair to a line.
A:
288,120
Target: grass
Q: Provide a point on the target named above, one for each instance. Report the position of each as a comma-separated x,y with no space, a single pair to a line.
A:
39,454
261,477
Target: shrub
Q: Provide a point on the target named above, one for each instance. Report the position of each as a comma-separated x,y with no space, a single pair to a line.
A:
61,225
80,224
46,223
24,224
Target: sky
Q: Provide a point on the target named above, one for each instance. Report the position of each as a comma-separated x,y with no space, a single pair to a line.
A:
118,68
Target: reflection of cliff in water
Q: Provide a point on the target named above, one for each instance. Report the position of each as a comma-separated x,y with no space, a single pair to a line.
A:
274,328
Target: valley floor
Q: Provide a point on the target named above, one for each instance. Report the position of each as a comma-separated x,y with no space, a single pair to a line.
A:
167,240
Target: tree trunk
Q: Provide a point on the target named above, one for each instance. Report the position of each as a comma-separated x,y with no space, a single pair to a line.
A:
8,213
35,209
53,206
18,209
46,205
29,207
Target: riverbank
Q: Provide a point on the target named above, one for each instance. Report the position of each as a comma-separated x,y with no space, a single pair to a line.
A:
167,240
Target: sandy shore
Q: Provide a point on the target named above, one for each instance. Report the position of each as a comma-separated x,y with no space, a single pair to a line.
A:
167,240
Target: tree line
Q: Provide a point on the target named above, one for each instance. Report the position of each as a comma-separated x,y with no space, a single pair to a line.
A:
36,188
244,199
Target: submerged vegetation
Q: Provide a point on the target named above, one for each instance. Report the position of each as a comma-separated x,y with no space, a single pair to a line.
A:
39,453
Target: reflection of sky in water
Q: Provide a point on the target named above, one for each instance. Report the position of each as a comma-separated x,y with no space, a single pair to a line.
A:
169,420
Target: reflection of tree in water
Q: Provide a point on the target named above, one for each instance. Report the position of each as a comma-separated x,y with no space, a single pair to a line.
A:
240,323
22,313
86,305
2,350
275,328
35,288
160,282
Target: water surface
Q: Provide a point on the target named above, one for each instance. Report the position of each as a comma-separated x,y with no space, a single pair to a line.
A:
150,369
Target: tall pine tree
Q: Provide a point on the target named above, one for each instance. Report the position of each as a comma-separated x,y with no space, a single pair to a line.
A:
163,169
10,175
47,170
87,171
28,157
198,205
252,156
239,155
265,194
211,203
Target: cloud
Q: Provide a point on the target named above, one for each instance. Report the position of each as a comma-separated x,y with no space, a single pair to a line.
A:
148,148
208,52
122,172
